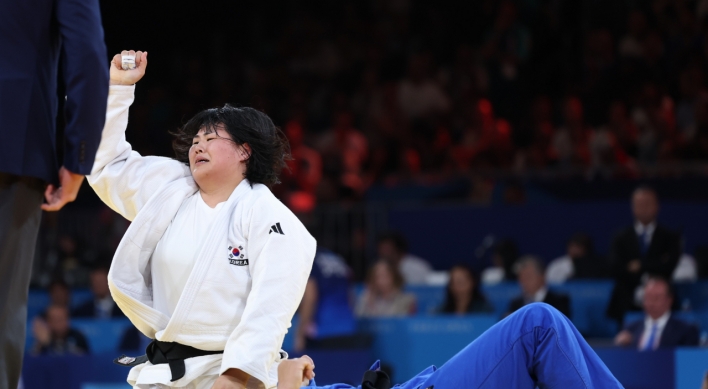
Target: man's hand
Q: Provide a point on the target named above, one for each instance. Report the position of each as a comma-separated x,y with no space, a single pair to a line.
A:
69,185
128,77
634,266
295,373
624,338
41,332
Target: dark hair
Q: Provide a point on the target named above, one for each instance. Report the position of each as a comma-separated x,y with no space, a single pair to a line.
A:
57,282
397,239
583,240
530,260
476,298
646,188
669,286
269,146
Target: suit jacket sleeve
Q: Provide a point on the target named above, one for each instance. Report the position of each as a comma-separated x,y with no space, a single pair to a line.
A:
85,67
280,266
665,264
618,260
121,177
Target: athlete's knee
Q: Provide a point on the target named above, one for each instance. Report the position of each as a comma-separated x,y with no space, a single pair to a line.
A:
539,313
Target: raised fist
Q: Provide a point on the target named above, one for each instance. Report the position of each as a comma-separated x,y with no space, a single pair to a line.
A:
128,76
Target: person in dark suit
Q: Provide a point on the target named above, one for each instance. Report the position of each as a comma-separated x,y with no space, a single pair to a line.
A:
34,34
659,329
101,306
534,289
641,250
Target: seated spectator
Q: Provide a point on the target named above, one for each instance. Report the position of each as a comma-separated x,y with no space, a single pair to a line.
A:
383,295
463,294
503,258
325,312
55,337
393,247
659,329
102,305
578,262
534,289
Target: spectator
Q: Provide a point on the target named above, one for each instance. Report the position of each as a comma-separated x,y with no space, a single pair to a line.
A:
102,305
463,294
578,262
384,296
59,293
55,336
569,145
325,311
418,94
659,329
503,258
393,247
534,289
644,248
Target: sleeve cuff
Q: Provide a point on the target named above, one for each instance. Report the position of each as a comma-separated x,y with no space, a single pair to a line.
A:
121,89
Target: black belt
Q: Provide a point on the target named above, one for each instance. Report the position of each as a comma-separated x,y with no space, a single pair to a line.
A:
171,353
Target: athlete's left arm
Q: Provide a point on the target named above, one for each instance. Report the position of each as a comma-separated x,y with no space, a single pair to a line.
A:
281,252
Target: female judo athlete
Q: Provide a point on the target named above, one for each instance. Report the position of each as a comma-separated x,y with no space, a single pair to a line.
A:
536,346
212,266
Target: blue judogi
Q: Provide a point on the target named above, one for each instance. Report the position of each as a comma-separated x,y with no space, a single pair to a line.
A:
535,346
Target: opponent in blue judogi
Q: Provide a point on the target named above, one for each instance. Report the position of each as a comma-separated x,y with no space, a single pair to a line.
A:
535,346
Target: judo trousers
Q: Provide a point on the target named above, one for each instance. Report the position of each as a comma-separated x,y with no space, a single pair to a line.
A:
536,346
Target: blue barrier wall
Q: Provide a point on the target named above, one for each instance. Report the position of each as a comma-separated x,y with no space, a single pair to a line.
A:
411,345
446,235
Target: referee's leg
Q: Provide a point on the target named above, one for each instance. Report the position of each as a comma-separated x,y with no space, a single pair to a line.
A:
20,215
537,345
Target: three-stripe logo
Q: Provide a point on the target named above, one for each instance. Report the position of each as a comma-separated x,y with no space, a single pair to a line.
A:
276,228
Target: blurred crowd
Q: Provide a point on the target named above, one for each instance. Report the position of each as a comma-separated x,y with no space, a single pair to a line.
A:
388,91
644,261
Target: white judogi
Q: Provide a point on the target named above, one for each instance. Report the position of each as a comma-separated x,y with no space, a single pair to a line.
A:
246,281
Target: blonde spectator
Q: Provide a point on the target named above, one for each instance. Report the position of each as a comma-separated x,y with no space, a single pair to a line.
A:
383,295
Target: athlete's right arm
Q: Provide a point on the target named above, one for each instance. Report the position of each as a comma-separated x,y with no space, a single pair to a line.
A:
121,177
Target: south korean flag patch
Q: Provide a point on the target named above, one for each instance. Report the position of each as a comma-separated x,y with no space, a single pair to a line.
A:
237,257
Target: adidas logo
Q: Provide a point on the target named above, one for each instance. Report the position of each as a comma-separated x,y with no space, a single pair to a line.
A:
276,228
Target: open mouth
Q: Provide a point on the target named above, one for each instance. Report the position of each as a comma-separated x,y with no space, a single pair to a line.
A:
200,160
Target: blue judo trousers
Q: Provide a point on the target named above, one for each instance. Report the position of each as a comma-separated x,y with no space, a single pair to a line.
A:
536,346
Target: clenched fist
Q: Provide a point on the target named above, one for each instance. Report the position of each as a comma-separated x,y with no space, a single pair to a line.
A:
295,373
131,76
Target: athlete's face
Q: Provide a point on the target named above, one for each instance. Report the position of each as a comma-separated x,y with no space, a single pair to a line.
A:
214,157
